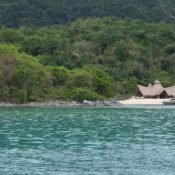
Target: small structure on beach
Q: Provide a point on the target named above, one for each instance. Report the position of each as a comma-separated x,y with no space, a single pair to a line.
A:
155,91
170,92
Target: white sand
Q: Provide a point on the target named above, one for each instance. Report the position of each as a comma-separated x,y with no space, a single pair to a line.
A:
139,101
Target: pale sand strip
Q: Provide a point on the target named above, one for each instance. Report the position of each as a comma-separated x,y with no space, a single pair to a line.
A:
135,101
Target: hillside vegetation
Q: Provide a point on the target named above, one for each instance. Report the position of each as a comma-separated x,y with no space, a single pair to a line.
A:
86,59
46,12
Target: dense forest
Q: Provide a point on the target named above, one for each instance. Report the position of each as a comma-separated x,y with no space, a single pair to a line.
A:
45,12
94,58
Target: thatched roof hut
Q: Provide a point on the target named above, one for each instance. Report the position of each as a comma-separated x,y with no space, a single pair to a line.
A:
151,91
170,91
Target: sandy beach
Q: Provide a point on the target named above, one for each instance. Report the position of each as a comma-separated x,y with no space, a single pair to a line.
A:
131,101
142,101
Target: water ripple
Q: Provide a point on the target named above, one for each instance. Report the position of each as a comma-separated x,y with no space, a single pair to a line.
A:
88,141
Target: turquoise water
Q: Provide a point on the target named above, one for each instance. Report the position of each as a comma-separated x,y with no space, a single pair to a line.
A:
88,141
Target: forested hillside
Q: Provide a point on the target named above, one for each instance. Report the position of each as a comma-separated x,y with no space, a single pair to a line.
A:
96,58
46,12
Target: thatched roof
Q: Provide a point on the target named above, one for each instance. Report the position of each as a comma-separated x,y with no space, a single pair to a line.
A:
151,91
170,91
157,82
150,85
155,90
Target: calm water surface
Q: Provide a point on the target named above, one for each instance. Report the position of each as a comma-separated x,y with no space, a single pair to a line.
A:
89,141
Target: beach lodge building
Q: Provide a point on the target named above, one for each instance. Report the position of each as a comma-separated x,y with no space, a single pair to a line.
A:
155,91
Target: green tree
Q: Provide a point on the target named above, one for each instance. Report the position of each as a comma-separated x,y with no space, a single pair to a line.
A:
60,75
81,94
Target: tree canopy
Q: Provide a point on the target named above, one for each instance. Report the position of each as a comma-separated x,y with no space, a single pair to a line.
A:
47,12
94,58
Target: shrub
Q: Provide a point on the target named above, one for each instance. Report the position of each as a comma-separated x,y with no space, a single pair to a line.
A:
80,78
102,83
18,95
81,94
60,75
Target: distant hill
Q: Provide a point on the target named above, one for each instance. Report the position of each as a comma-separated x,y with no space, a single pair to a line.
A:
46,12
94,58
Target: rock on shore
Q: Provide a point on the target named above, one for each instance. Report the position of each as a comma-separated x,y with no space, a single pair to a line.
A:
64,104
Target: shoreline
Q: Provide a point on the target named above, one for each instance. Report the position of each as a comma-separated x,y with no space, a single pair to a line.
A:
108,103
85,103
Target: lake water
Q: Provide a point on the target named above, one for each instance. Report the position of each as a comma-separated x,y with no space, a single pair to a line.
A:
87,141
